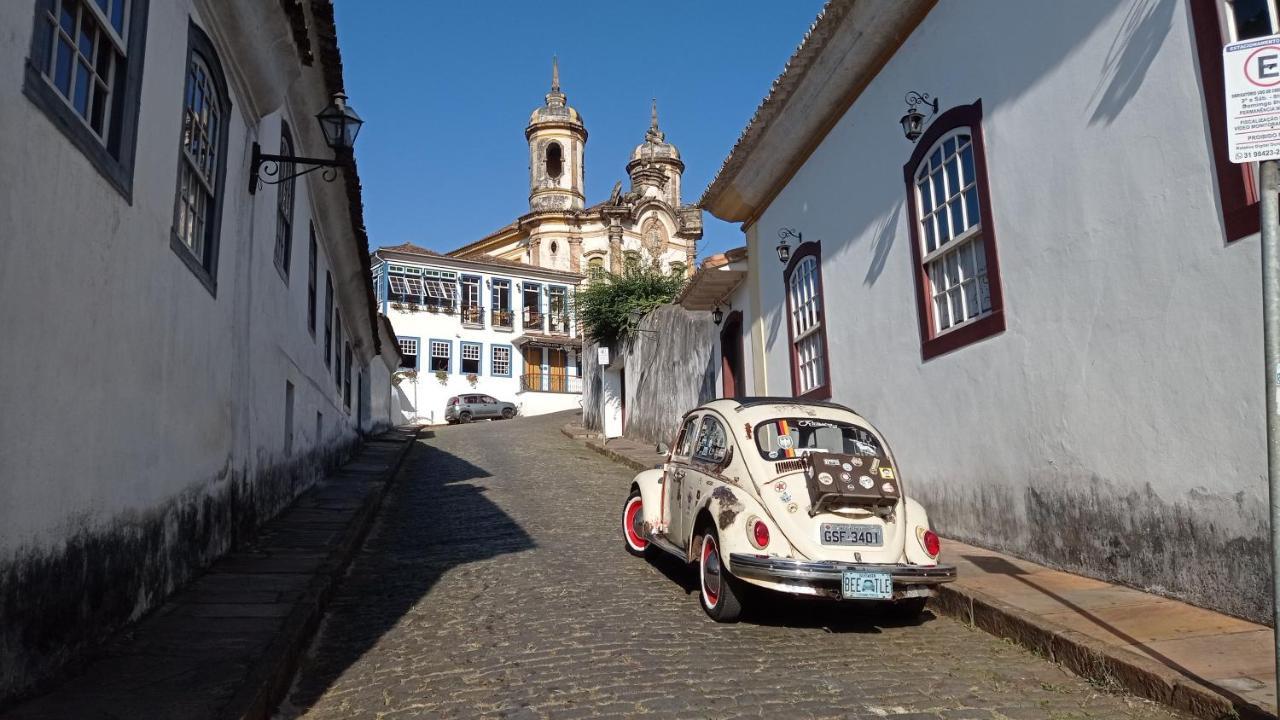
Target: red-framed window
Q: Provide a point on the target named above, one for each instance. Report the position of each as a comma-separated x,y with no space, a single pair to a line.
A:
1216,23
807,324
953,239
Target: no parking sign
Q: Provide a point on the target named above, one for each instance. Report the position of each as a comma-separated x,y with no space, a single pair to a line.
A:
1252,73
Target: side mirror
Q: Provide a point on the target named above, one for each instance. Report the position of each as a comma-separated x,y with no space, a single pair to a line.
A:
662,448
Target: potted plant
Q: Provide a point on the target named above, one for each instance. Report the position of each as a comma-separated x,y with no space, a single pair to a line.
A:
442,376
471,378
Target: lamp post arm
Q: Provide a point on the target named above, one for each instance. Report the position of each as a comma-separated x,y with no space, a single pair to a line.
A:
264,167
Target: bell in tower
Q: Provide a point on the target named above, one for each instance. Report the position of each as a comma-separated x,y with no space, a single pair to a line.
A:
557,139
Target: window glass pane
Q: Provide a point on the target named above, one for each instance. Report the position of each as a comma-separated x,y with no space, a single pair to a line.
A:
86,35
930,240
939,195
62,73
949,147
926,200
935,159
953,177
67,18
83,80
966,162
957,218
972,212
940,312
117,16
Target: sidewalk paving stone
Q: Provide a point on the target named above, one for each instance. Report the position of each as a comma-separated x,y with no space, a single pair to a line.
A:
226,645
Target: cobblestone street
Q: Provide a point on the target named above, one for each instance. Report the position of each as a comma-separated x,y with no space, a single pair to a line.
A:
495,584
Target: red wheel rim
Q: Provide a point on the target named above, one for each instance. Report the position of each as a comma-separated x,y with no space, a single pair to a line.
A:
711,572
630,520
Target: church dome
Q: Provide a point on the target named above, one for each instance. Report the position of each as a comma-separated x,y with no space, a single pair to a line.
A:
655,145
556,108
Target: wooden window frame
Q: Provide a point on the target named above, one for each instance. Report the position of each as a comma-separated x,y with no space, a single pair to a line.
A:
822,391
112,156
1237,192
934,343
285,197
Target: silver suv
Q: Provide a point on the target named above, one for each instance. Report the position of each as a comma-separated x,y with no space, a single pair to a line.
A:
465,408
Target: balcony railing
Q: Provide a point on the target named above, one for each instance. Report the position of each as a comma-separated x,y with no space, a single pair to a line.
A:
501,319
532,320
472,315
559,323
550,382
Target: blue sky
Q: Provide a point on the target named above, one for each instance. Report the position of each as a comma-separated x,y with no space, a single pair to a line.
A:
446,89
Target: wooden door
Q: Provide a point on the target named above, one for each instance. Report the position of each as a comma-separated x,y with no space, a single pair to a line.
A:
556,360
533,368
731,356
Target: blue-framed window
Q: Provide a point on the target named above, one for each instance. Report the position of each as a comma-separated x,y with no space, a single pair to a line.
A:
500,360
531,304
411,349
469,358
441,355
558,308
470,301
500,304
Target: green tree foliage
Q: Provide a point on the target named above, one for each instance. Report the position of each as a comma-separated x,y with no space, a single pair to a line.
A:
612,305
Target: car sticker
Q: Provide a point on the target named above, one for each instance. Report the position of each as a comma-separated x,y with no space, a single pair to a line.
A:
847,467
825,478
875,464
857,462
792,508
780,486
866,482
887,487
886,473
784,441
845,477
773,454
786,497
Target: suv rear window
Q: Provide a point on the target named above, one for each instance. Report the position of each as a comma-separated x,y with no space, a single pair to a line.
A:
791,437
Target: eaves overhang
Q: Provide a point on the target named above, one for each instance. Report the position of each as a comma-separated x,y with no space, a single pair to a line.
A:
718,277
847,45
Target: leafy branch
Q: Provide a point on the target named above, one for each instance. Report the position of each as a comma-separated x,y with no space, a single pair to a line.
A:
611,306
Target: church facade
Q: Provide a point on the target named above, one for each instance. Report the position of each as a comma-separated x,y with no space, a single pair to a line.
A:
645,224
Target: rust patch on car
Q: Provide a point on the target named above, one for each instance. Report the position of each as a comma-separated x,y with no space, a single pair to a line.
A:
730,506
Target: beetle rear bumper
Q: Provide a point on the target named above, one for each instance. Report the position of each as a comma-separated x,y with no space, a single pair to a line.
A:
773,569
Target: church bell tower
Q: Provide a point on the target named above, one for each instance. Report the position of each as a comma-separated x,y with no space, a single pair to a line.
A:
557,140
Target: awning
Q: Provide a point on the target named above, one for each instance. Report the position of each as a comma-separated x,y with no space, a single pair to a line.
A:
715,280
542,340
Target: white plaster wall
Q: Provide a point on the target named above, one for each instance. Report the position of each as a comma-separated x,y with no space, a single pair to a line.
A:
611,412
1126,391
166,385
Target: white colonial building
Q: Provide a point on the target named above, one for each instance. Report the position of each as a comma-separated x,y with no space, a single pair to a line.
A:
648,223
206,350
1049,300
479,326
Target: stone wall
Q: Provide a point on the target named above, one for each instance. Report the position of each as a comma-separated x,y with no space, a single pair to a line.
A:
670,369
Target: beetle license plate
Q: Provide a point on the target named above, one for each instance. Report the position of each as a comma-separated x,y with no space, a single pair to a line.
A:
866,586
852,534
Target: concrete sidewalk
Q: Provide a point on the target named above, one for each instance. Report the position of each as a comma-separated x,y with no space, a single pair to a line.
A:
1203,662
227,645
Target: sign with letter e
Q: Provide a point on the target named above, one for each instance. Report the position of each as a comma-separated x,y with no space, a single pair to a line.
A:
1252,69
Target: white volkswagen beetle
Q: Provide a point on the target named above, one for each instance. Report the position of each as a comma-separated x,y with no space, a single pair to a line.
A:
795,496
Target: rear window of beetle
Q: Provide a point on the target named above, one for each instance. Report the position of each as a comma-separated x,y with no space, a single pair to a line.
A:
783,438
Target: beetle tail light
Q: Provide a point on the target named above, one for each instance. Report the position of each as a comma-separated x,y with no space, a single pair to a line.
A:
759,533
931,543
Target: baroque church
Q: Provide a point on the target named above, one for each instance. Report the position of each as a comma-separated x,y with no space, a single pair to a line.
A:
646,224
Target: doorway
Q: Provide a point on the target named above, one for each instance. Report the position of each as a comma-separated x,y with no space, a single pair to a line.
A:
731,356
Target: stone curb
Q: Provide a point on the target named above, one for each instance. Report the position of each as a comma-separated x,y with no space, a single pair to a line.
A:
1089,658
1093,660
269,678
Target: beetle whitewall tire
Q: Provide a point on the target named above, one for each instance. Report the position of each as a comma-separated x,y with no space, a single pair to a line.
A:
632,519
718,591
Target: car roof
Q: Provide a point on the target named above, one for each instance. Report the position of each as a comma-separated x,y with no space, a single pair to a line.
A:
759,409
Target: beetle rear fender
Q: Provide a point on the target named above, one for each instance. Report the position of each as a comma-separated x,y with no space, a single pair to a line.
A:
917,521
649,483
728,509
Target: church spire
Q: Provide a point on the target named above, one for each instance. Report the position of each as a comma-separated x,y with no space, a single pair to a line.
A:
654,134
555,98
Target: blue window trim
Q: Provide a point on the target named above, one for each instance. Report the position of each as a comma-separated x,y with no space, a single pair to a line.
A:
493,287
463,277
481,359
385,279
443,340
511,359
418,363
